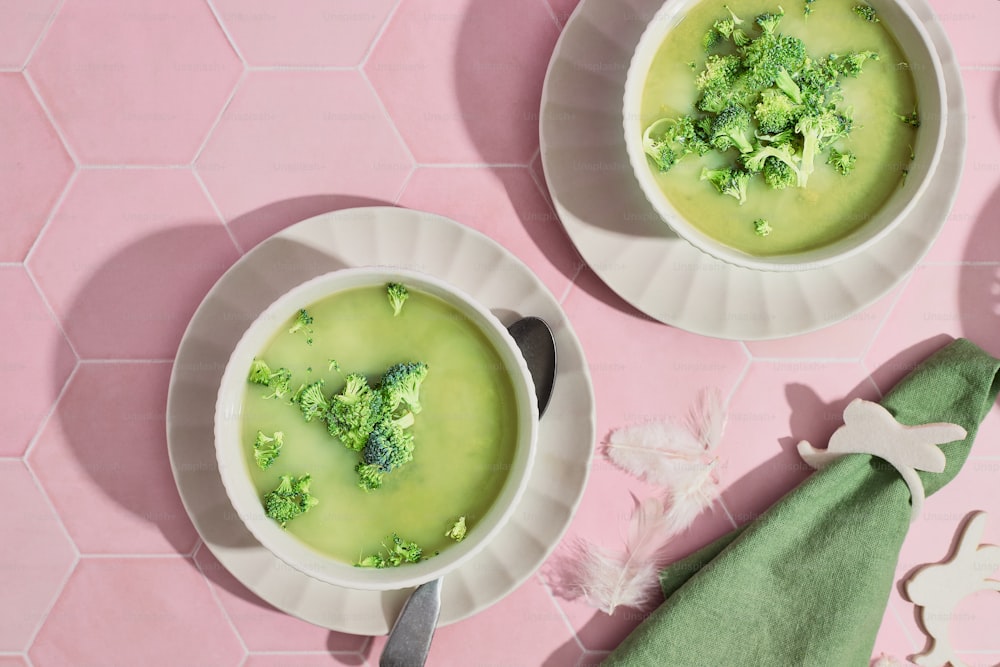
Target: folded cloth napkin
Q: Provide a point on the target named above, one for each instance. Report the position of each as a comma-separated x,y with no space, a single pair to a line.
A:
807,583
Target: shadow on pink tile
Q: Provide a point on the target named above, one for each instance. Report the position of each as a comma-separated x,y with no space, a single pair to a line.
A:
259,224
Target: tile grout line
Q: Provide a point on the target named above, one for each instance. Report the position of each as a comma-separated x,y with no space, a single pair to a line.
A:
218,117
404,185
94,362
572,283
559,610
76,551
52,410
51,216
52,314
901,287
51,118
218,211
42,35
473,165
552,12
389,119
225,31
218,600
378,35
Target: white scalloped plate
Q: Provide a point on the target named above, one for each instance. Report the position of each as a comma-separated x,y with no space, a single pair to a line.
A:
623,239
399,238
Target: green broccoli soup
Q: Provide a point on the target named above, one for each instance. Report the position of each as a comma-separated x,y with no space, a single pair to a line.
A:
779,132
398,409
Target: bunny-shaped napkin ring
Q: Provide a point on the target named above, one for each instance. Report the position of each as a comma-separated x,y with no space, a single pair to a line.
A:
870,429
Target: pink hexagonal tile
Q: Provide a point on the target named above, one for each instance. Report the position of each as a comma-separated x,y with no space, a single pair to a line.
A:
13,661
102,458
463,79
34,557
505,205
641,369
34,357
895,637
21,24
776,405
969,232
297,137
542,636
264,628
315,33
963,22
148,611
939,302
127,258
304,660
848,339
34,165
132,83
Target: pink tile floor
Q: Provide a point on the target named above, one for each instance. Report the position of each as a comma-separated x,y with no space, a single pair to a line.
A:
147,145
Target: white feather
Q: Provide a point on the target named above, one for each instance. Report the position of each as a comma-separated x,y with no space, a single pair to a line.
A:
689,499
887,661
609,580
708,418
658,452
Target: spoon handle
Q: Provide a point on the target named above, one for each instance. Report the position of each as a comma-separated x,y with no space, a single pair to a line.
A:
410,637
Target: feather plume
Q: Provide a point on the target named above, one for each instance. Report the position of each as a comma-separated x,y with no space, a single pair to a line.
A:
666,453
690,498
887,661
608,580
708,418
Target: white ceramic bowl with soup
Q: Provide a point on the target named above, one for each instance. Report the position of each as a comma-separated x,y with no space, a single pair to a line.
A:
474,438
835,216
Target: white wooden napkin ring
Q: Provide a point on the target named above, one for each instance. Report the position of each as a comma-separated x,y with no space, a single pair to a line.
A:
938,588
870,429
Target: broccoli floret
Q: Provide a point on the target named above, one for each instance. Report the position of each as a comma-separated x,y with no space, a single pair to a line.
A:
303,322
912,118
369,476
732,129
389,446
842,162
260,372
397,294
778,175
850,64
279,383
669,139
818,131
397,552
867,12
819,83
761,227
719,71
311,401
354,412
458,530
267,448
757,161
776,111
774,59
732,182
290,499
401,385
768,21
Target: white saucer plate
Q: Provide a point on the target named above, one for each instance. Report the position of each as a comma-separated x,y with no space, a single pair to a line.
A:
627,244
399,238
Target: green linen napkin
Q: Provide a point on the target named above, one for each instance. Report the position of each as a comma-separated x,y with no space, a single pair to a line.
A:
807,583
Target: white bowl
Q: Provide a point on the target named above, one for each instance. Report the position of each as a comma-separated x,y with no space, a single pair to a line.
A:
928,78
235,473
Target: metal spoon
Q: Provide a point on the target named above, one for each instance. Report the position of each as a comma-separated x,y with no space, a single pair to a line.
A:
410,637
